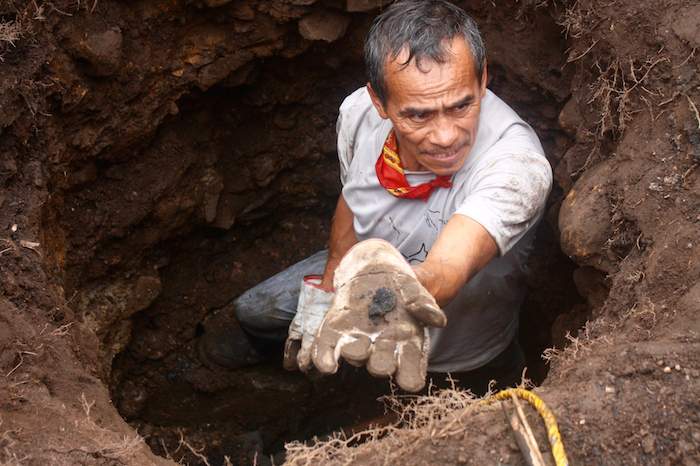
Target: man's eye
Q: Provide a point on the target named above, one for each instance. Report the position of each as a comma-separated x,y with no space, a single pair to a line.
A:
420,116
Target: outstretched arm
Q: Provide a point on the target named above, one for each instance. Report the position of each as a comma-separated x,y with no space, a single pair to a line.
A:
462,249
341,240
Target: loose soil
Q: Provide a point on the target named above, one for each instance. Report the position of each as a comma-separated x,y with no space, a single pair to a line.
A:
158,158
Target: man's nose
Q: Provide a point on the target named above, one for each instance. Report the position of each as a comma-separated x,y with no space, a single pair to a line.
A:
445,133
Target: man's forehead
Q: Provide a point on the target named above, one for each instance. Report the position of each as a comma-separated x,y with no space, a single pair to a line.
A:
427,79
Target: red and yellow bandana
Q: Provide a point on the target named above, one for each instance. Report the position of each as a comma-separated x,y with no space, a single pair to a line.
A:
391,175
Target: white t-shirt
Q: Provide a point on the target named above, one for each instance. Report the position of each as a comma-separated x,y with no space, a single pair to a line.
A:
503,185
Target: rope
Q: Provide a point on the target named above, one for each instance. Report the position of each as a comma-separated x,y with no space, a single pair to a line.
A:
550,421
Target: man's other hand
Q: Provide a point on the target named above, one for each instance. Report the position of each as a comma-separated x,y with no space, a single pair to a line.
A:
313,305
378,317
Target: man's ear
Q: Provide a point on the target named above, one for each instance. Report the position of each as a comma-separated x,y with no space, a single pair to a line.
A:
377,102
484,78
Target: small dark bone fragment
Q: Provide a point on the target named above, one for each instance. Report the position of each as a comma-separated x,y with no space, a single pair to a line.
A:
383,301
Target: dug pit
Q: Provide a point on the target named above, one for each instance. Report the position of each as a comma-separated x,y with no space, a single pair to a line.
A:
231,177
160,157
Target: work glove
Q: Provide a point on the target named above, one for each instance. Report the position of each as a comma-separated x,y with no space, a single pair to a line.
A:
312,306
378,317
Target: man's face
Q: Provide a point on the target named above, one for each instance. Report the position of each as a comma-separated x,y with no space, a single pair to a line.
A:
434,109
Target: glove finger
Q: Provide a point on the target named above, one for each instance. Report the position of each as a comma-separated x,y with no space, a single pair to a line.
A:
412,367
382,361
291,349
357,351
401,329
303,359
323,350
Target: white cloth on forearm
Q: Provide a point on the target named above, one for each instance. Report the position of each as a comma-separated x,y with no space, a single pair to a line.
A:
503,185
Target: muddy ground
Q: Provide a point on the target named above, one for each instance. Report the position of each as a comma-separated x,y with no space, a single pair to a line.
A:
159,157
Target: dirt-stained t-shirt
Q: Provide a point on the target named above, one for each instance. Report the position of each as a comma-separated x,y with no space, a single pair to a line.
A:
503,185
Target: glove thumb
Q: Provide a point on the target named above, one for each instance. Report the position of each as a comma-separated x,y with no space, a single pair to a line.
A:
420,303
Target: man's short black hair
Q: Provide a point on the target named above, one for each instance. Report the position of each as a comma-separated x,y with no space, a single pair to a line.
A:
422,26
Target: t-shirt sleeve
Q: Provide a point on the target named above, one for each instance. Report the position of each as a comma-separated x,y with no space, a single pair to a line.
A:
351,116
507,194
344,142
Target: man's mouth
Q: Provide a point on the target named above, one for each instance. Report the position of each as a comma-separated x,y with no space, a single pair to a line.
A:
446,156
443,155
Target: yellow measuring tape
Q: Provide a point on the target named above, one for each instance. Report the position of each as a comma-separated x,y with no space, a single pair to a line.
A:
550,421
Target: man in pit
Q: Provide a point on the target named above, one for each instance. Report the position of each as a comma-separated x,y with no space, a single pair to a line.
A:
435,164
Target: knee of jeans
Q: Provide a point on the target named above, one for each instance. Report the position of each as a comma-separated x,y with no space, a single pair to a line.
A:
245,315
253,317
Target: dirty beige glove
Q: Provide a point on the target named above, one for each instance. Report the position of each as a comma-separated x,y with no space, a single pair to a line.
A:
378,317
